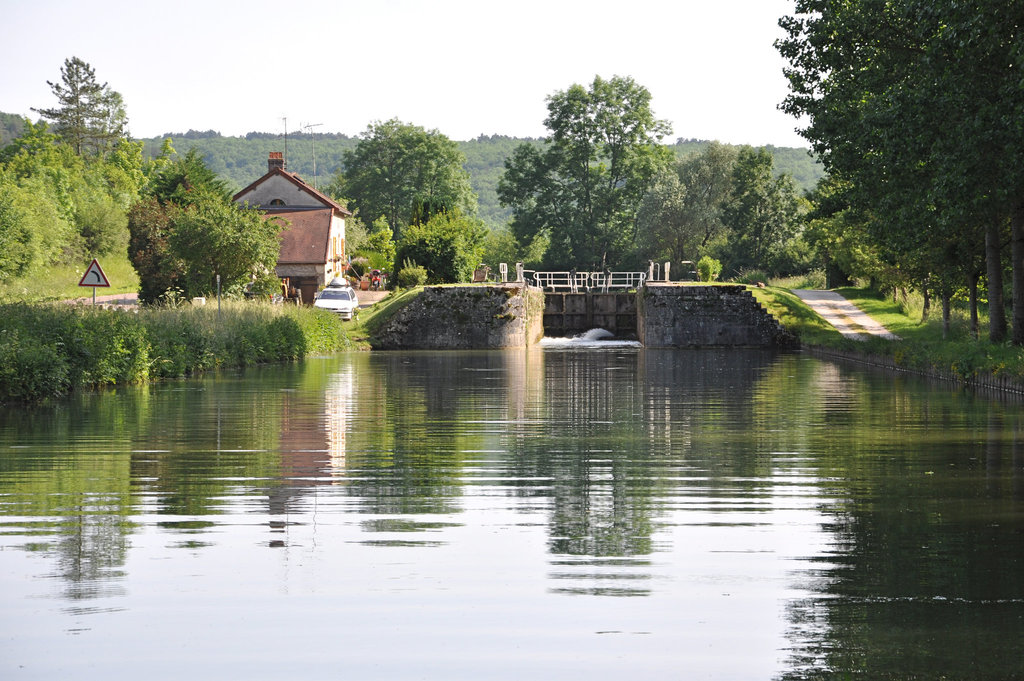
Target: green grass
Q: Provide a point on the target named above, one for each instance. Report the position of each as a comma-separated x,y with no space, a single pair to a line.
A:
921,345
60,282
797,317
372,319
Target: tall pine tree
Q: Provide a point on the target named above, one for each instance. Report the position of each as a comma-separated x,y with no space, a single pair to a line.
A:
89,116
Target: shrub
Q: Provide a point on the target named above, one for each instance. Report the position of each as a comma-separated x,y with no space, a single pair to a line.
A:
752,277
448,246
411,275
708,268
30,369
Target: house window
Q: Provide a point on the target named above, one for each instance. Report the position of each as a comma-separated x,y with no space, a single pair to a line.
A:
277,202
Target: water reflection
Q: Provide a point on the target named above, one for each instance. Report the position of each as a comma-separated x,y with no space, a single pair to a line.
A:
830,521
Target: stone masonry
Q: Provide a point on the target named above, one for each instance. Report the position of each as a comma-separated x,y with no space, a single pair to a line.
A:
706,316
466,317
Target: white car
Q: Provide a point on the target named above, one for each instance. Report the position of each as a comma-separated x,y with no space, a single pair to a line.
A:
340,299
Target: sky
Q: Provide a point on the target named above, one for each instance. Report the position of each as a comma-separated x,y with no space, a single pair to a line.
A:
464,68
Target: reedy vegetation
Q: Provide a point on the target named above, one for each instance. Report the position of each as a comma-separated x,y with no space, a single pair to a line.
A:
49,350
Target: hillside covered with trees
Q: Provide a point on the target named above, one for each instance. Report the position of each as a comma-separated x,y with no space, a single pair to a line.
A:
240,160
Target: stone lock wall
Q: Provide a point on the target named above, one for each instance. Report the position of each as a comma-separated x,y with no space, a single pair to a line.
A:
706,316
466,317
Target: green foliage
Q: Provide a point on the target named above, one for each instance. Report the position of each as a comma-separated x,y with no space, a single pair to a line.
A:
448,246
840,238
681,215
189,231
49,350
32,225
356,235
502,246
882,85
398,167
815,280
240,160
708,268
485,163
584,186
380,246
89,117
16,237
29,368
11,127
150,251
762,215
101,222
751,277
212,236
411,275
57,208
179,180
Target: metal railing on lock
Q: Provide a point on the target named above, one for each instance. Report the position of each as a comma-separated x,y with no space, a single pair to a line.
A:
576,282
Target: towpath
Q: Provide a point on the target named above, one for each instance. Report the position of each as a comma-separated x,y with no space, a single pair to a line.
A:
115,299
848,319
369,298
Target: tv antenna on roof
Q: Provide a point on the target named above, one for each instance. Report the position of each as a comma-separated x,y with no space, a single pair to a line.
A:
306,127
285,119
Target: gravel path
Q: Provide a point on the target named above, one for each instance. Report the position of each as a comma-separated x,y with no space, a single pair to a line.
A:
118,299
848,319
368,298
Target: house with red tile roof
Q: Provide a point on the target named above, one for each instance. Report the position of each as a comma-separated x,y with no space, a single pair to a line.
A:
313,227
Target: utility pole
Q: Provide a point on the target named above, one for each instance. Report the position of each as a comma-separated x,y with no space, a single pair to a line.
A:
313,142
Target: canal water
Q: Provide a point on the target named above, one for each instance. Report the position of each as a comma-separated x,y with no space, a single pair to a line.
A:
559,513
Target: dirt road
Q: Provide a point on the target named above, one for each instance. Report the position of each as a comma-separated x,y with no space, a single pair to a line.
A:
848,319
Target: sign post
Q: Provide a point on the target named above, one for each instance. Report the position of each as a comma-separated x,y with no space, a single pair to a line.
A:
94,277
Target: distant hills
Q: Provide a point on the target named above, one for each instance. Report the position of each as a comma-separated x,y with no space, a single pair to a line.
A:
240,160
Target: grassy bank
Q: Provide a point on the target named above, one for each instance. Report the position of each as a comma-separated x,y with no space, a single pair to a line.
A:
921,347
60,282
363,330
50,350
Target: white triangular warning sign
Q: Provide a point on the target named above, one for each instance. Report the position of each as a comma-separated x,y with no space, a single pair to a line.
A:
94,275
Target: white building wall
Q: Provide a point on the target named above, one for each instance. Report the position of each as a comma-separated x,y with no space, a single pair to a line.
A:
278,187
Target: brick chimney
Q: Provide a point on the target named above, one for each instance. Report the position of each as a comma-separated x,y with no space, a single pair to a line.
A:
276,160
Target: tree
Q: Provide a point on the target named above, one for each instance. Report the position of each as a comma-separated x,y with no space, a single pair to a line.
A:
583,188
682,213
16,237
708,268
916,103
397,168
380,242
149,249
89,116
180,180
187,231
75,207
213,236
448,245
501,246
839,236
761,212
